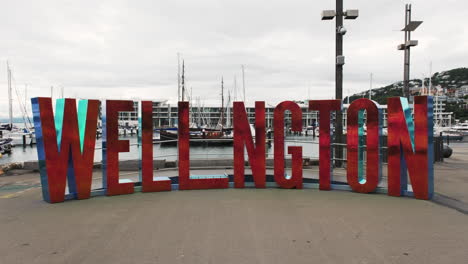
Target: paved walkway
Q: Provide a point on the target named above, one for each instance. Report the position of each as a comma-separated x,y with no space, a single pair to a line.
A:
451,178
236,226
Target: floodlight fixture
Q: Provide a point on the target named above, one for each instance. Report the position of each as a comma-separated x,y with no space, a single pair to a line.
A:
351,14
412,26
328,14
411,43
340,60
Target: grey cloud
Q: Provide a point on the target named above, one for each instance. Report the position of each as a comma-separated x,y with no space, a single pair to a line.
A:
128,49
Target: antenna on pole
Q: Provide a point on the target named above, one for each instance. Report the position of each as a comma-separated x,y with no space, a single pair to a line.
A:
243,81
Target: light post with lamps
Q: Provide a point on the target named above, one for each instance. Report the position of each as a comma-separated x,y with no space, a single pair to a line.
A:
406,46
340,31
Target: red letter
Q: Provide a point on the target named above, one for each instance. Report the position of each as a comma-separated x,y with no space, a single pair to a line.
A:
243,136
111,146
148,183
357,183
416,147
296,180
187,182
325,107
76,141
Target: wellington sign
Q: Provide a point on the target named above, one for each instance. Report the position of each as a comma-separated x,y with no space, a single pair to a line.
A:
66,146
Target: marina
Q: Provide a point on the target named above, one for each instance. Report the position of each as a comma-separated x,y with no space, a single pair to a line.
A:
234,132
168,151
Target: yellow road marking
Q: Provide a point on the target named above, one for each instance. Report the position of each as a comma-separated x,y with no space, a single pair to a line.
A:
16,194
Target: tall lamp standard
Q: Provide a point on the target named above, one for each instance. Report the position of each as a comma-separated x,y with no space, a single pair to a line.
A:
406,46
339,62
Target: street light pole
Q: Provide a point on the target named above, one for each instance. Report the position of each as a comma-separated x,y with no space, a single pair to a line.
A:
339,81
406,47
339,62
339,51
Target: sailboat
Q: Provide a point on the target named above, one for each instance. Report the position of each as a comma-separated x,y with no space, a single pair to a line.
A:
18,136
439,128
199,135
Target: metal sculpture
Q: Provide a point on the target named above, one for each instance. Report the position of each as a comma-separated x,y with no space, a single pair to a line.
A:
325,109
355,153
243,137
111,146
65,146
410,147
295,180
149,183
187,182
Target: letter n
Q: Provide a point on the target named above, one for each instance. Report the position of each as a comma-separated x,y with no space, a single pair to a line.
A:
65,146
410,147
243,137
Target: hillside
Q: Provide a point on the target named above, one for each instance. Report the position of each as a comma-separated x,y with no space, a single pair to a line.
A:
451,86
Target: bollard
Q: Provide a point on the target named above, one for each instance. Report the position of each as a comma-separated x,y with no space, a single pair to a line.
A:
1,134
24,141
269,137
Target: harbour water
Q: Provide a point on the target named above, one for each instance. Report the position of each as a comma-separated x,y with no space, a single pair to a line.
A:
309,148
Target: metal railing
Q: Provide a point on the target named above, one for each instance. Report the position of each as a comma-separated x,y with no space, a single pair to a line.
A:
438,149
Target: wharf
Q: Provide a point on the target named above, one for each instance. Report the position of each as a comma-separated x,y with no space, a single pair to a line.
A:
238,225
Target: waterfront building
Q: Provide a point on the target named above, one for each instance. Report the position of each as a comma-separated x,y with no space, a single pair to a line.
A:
165,115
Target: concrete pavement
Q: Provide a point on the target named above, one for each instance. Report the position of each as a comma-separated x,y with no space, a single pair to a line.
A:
234,225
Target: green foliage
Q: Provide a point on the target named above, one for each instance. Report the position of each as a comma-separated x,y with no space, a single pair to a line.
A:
452,79
459,110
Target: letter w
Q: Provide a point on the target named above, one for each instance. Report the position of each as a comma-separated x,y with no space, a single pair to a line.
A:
65,146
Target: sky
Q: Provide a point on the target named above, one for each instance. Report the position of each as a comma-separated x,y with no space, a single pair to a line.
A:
118,49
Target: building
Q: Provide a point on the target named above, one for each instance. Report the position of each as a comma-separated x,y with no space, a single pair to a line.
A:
166,115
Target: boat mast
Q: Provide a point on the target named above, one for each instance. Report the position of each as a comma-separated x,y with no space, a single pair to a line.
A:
190,106
10,96
183,80
178,77
430,76
228,109
25,96
222,103
243,81
235,88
